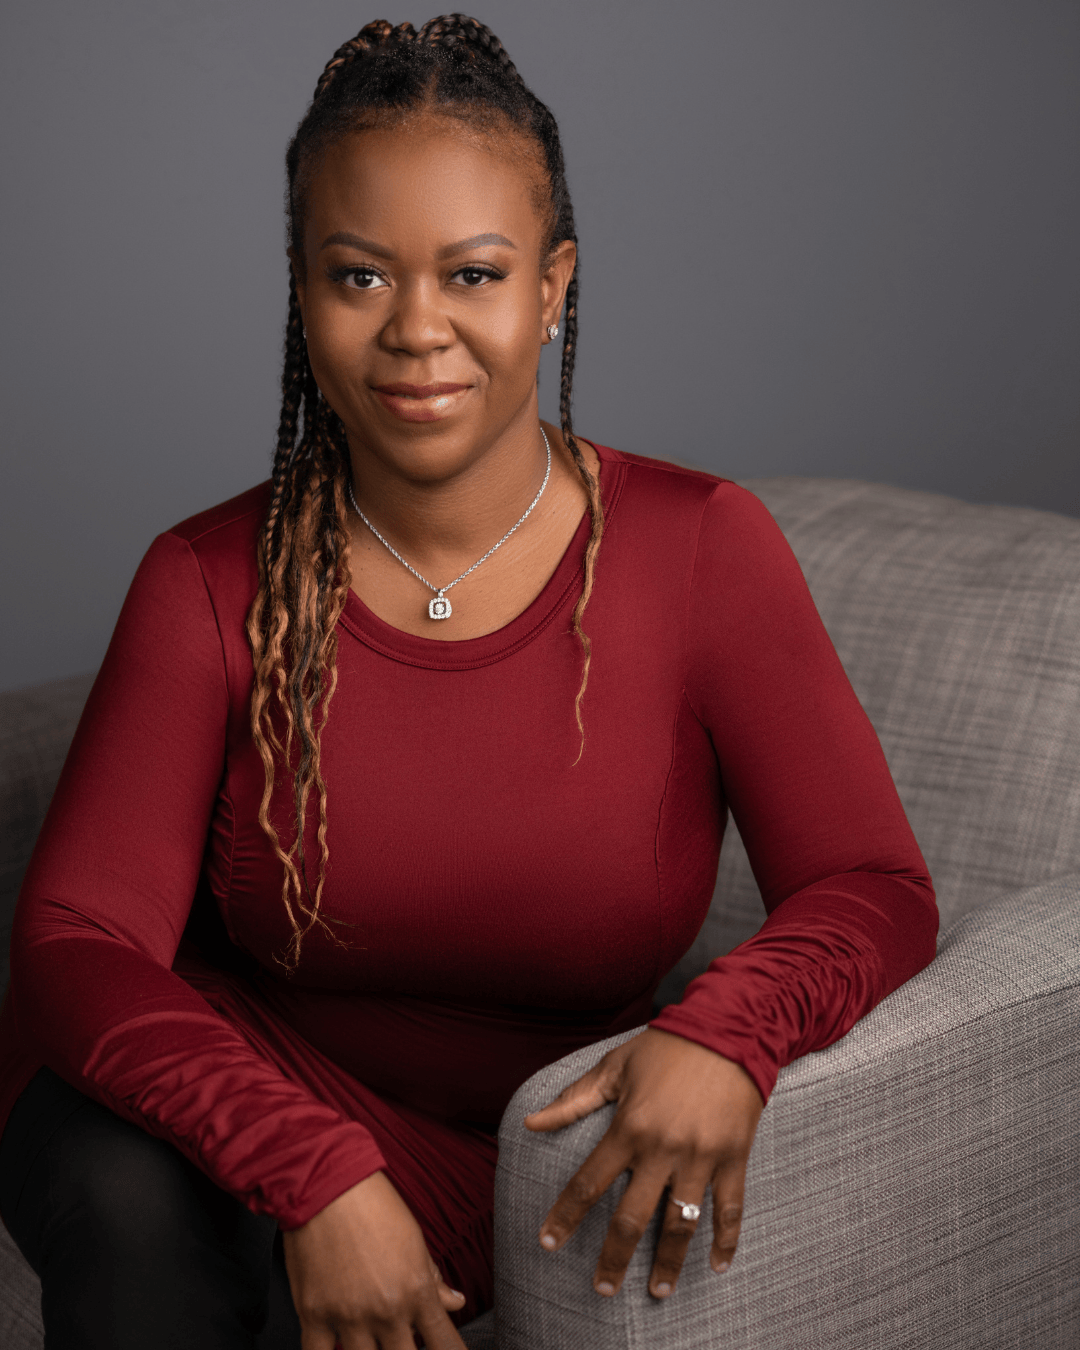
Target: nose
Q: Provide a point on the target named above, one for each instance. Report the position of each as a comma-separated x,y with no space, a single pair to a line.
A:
418,323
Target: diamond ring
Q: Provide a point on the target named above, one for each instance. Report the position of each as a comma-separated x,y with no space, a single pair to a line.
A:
692,1212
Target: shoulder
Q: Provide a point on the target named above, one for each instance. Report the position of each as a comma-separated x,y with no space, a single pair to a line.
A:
202,574
663,488
222,541
234,523
661,475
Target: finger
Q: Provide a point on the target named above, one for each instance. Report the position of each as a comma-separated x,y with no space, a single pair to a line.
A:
320,1337
678,1227
588,1094
347,1340
728,1189
607,1161
401,1338
453,1300
439,1332
450,1299
361,1340
628,1225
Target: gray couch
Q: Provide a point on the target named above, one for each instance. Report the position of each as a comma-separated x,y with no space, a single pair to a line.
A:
918,1184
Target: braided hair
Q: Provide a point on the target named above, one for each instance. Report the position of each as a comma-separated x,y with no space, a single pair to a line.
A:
453,65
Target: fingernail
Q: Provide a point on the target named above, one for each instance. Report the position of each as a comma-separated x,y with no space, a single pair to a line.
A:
722,1267
604,1288
457,1293
662,1290
546,1240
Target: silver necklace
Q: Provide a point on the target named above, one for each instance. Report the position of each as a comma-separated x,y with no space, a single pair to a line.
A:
438,606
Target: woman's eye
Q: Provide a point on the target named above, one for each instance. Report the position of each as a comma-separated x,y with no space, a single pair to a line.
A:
475,276
362,279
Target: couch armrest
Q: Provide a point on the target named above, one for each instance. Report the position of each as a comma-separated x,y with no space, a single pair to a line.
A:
915,1185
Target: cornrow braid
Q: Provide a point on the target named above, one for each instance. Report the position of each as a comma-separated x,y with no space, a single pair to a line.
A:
452,30
372,35
454,64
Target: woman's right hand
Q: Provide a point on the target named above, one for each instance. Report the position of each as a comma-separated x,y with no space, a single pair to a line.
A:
362,1276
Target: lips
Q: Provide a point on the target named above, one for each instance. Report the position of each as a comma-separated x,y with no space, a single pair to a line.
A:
418,390
421,402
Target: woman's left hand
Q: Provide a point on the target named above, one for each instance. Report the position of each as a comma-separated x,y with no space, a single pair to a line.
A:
686,1118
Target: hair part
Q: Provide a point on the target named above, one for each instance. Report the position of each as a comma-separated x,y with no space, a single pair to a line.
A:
454,66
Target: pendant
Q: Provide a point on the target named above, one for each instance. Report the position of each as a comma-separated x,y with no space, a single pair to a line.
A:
439,607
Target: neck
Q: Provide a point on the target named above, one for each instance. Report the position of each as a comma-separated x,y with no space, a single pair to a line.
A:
458,505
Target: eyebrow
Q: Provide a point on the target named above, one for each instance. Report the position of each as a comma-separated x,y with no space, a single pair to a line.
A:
369,246
355,241
477,241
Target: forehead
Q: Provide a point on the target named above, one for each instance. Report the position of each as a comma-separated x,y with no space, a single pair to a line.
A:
425,181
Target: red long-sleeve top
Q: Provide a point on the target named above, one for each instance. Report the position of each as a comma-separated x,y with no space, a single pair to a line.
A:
497,903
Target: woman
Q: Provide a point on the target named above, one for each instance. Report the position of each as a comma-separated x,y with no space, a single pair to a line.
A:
439,728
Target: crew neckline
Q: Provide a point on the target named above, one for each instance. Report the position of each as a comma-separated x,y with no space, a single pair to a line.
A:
469,653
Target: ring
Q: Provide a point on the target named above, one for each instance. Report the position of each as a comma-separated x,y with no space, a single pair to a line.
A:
688,1211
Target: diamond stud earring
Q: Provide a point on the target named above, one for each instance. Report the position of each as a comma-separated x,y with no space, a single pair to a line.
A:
553,331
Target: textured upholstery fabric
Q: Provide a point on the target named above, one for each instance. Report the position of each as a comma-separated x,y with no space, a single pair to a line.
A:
915,1185
480,1334
20,1300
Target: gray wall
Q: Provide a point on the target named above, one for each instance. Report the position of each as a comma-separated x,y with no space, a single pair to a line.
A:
830,237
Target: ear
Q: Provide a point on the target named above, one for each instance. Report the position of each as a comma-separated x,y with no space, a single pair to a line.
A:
554,280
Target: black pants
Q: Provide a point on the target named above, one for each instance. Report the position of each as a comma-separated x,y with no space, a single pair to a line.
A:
135,1247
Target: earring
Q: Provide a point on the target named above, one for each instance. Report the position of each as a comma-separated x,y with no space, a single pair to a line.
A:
304,331
553,331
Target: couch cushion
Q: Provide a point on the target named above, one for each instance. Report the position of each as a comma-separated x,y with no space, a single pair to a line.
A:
20,1299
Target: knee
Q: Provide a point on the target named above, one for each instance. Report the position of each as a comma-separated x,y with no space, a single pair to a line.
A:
140,1200
133,1237
123,1188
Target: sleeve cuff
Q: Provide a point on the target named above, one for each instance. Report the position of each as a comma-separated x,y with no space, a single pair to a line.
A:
744,1050
336,1169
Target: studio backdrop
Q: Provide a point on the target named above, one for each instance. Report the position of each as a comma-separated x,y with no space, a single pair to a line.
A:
833,238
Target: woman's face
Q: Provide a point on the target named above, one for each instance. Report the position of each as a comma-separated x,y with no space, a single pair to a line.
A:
424,292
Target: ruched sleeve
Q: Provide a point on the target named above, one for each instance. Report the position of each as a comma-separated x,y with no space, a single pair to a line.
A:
851,911
104,905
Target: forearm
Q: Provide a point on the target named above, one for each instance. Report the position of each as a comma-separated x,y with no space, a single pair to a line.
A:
821,961
133,1036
